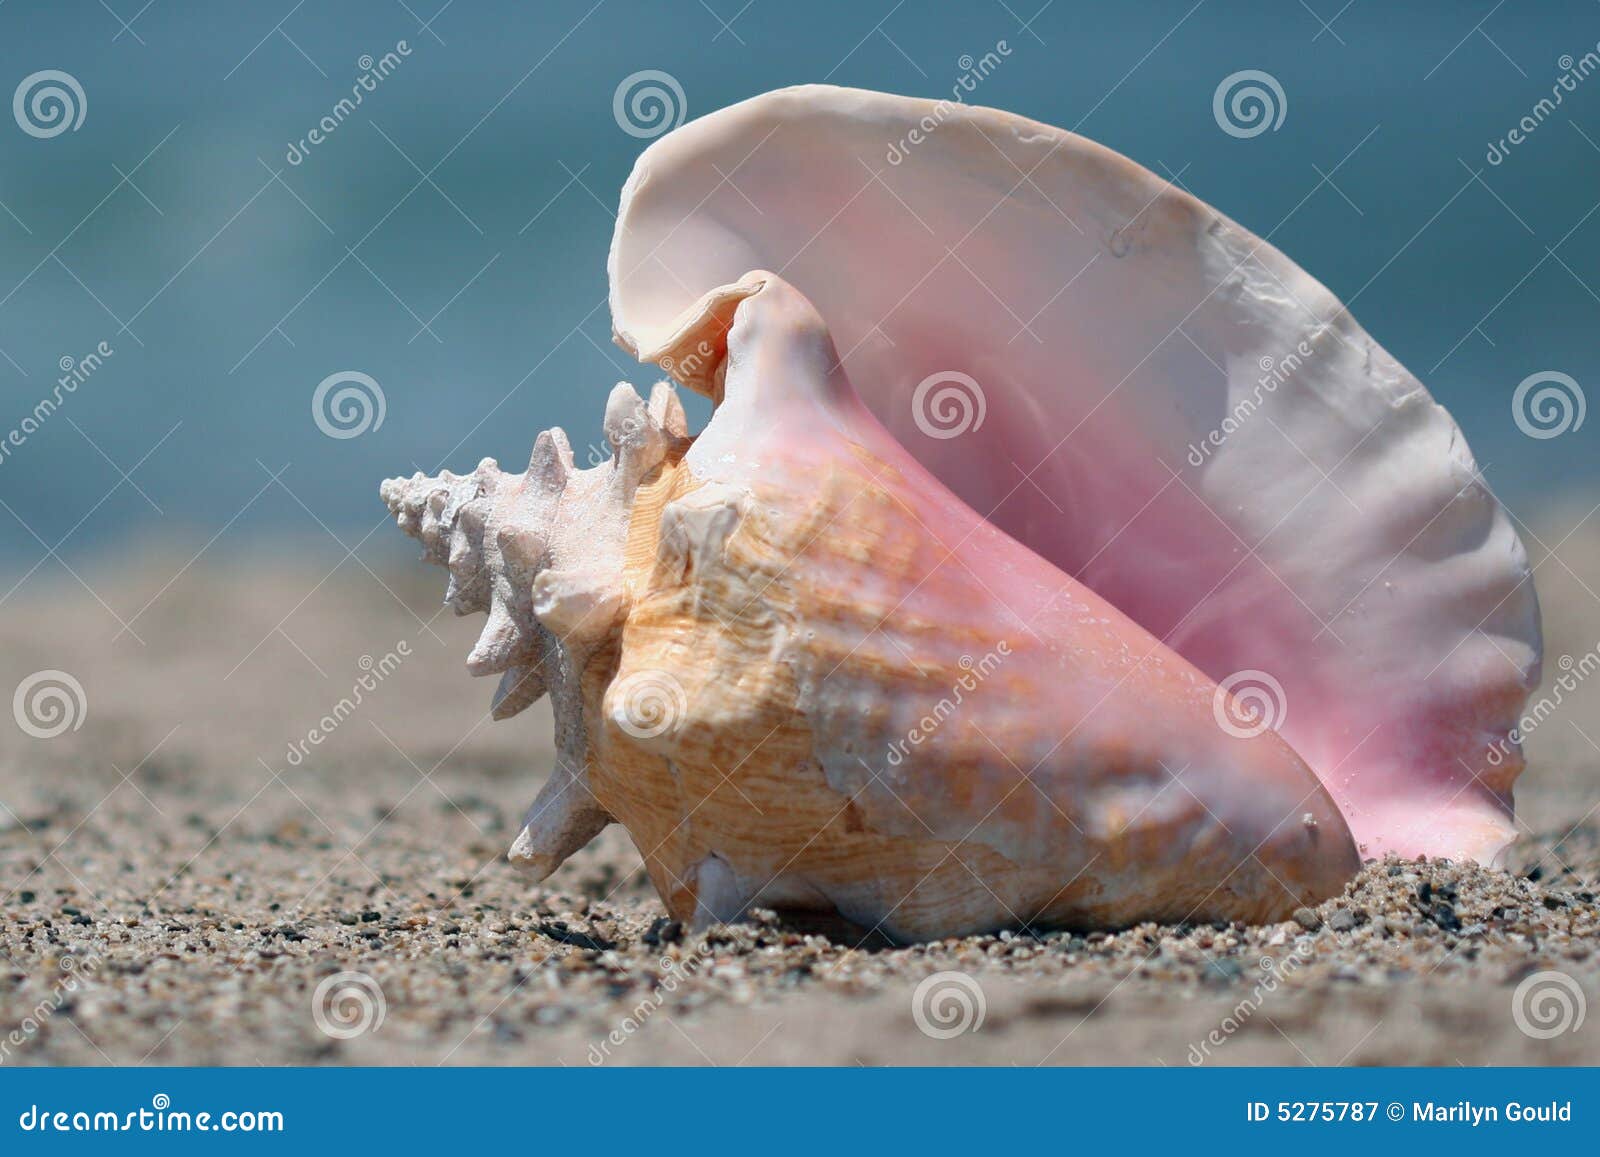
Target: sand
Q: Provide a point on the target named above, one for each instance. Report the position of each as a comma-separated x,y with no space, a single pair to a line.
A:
179,875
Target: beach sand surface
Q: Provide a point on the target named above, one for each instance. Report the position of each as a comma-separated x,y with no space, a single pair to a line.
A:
181,873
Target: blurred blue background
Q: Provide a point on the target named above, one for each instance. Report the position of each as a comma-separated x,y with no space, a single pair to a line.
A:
449,238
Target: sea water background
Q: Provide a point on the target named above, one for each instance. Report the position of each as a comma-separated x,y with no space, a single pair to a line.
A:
473,191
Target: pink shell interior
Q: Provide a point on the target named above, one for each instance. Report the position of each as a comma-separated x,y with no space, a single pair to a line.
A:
1328,530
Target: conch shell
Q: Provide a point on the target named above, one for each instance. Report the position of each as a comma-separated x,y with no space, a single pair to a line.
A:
823,656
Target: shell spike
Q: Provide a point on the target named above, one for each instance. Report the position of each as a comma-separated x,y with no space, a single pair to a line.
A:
550,464
520,688
666,411
638,443
564,817
500,645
